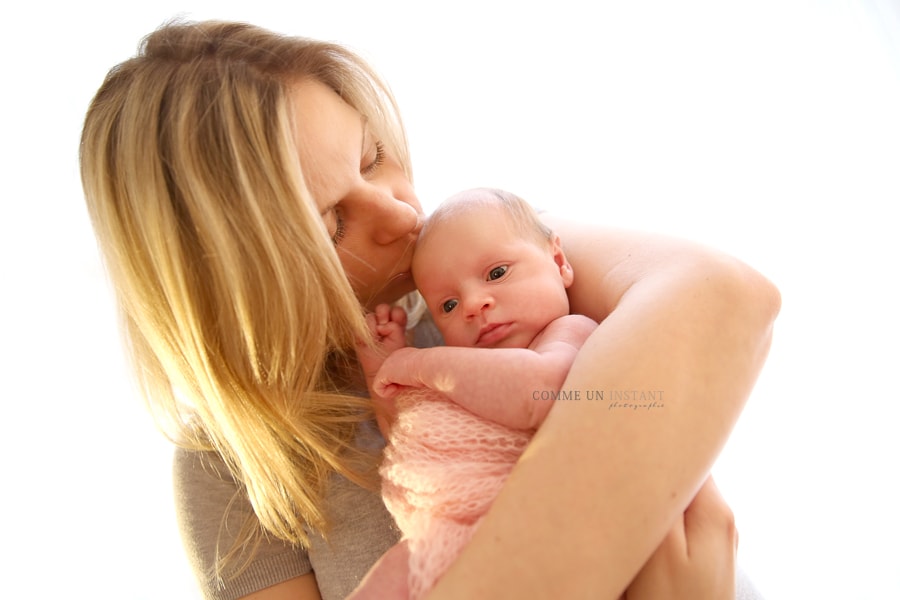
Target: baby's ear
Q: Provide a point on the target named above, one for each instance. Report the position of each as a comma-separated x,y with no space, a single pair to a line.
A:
559,257
568,275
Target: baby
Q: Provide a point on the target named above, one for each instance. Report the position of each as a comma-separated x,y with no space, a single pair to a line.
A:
494,278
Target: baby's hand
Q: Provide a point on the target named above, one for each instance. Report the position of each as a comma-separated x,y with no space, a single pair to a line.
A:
388,326
399,370
388,323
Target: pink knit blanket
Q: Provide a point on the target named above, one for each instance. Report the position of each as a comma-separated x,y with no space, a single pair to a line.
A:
443,466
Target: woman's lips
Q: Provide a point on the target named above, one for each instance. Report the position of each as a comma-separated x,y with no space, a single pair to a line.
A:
492,333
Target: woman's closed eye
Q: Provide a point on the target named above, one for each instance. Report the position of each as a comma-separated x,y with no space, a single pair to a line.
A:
334,217
369,169
334,223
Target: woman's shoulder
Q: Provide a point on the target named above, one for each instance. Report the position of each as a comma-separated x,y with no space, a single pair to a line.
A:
208,502
212,509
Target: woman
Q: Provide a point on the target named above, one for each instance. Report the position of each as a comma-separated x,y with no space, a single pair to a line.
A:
250,192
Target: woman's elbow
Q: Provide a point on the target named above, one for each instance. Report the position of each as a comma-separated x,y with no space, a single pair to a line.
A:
758,293
749,303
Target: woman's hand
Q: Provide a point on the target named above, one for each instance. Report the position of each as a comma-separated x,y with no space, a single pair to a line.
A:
696,560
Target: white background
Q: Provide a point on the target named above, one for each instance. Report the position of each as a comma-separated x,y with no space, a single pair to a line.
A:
770,129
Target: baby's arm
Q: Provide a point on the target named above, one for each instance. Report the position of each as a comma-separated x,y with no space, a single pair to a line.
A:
500,384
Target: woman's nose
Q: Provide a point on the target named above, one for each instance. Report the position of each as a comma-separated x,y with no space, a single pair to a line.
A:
397,219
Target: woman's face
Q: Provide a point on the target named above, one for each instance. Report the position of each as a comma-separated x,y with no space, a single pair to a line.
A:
361,191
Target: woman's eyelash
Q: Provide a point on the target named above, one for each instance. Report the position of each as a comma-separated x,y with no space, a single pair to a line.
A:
339,228
379,159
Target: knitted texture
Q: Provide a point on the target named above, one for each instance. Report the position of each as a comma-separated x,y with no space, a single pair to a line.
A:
443,466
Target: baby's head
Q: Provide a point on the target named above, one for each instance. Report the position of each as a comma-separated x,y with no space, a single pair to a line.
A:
492,274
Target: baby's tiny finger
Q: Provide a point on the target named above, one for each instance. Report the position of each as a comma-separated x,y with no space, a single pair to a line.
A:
398,315
384,329
383,313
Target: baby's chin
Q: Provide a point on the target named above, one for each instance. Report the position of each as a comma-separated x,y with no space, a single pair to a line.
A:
518,339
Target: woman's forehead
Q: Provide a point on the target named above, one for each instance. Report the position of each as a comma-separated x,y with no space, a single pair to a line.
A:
329,135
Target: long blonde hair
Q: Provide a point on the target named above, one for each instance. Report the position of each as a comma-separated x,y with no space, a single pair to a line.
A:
237,312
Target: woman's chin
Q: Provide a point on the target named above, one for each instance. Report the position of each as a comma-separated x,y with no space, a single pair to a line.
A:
395,288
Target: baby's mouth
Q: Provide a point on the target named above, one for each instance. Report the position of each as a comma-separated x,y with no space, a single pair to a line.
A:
491,333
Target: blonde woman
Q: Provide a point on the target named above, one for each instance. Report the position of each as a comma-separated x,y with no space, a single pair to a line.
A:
252,195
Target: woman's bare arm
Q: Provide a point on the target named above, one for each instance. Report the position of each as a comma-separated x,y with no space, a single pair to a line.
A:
696,560
599,487
298,588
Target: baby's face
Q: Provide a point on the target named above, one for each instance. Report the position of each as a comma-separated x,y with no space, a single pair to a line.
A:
486,284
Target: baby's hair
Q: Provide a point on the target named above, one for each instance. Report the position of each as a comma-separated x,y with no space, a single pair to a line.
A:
523,217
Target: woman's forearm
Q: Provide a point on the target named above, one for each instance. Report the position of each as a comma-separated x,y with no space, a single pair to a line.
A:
602,483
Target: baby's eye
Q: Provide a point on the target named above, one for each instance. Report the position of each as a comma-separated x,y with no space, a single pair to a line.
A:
497,272
449,305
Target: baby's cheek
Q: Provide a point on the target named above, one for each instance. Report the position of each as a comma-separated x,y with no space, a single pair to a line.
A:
456,336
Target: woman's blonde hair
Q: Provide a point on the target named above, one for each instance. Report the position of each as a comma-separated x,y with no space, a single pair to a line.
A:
237,312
